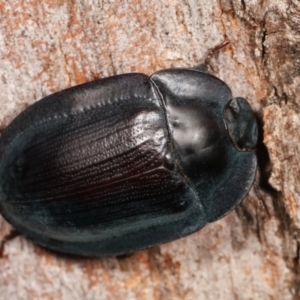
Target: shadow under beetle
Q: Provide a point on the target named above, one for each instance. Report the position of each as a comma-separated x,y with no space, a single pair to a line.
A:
127,162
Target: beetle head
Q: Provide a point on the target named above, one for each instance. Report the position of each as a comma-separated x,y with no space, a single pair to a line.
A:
241,124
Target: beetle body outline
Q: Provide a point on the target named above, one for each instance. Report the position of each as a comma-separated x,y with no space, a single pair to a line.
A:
127,162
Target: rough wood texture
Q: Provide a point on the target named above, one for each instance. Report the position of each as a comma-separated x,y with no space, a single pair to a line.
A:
55,44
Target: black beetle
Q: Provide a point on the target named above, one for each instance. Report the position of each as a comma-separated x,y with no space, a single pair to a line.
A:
127,162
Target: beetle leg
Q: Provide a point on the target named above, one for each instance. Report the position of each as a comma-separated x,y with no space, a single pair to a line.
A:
8,237
201,68
260,198
213,51
124,256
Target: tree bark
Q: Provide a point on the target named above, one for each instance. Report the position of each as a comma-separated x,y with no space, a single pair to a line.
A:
52,45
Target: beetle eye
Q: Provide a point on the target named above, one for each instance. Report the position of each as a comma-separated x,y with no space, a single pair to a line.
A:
241,124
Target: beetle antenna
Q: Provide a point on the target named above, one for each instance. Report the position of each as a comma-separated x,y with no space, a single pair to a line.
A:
260,198
212,51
